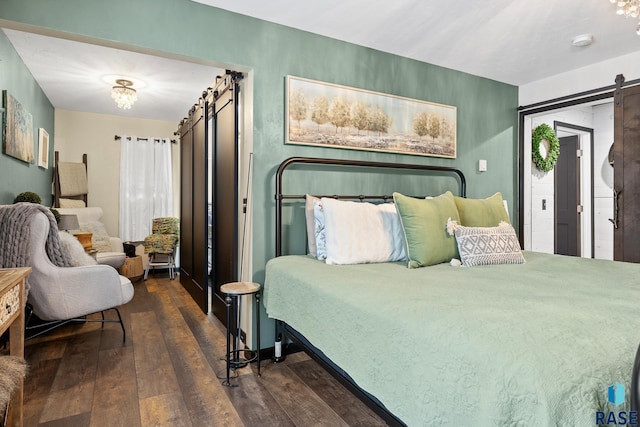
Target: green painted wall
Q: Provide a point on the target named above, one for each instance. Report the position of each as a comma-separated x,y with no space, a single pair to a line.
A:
17,176
487,118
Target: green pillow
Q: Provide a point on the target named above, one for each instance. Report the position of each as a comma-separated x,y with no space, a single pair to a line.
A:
487,212
424,224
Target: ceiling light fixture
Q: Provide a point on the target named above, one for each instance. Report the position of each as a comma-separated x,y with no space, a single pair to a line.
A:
123,94
628,8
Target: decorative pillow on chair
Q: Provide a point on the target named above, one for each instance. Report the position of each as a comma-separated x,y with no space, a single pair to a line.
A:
486,245
74,251
100,239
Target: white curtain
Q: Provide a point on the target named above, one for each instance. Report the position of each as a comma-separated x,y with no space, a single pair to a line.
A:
145,185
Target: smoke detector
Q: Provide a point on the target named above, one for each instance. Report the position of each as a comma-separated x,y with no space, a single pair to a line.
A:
582,40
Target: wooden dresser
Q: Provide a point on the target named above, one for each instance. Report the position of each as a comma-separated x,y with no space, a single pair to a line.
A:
12,285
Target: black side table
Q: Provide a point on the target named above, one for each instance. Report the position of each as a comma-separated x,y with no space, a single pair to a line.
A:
233,292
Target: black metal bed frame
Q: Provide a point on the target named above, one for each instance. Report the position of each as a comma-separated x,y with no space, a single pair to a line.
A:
280,197
291,333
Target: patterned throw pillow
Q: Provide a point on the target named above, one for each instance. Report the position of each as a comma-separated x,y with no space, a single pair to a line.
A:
486,245
321,238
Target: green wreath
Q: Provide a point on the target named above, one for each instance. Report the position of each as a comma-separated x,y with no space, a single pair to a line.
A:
541,133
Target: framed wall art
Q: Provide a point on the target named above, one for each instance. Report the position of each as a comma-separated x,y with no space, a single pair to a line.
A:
330,115
18,130
43,148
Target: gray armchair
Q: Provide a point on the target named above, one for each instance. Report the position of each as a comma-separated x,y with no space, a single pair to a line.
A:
64,294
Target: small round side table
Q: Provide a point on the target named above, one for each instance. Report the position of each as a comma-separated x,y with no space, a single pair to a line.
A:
233,292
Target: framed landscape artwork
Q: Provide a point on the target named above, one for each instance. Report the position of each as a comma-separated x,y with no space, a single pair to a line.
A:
43,148
331,115
18,130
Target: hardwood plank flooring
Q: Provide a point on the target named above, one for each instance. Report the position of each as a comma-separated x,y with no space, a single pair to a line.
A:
116,390
168,374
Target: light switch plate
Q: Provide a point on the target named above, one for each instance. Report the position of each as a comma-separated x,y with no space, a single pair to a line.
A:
482,165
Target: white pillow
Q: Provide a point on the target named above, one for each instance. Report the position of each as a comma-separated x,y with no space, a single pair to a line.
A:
99,239
74,250
359,232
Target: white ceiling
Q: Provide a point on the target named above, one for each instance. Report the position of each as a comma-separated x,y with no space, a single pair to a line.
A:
515,42
511,41
79,76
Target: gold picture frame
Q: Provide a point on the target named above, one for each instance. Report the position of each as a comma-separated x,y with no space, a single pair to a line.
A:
331,115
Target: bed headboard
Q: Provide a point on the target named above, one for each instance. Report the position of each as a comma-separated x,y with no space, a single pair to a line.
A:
280,196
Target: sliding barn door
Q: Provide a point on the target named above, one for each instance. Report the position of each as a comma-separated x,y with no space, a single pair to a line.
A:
193,206
626,176
186,200
209,195
224,115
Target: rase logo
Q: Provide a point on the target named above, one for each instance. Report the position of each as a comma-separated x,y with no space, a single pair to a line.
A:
615,395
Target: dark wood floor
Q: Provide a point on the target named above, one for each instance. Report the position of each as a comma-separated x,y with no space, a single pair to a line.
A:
167,374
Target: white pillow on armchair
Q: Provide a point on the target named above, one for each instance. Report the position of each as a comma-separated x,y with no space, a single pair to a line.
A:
110,249
74,250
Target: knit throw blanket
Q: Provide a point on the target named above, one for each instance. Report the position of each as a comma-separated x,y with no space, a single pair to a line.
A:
15,229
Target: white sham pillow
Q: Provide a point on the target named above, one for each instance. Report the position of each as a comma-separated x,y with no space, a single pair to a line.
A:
360,232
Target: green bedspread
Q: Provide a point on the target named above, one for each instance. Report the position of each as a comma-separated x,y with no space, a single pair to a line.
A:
528,345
